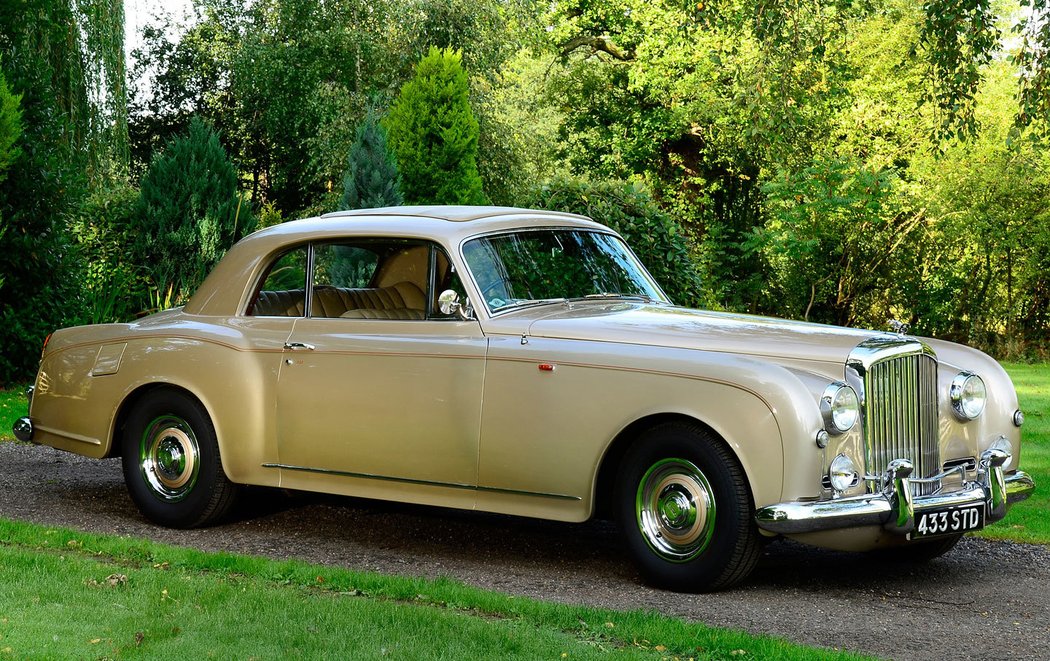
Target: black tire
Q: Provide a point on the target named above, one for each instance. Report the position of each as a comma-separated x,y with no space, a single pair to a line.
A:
920,552
686,511
171,462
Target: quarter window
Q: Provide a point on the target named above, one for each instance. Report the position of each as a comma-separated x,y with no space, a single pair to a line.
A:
359,279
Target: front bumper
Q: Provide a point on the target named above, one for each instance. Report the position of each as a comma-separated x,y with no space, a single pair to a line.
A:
895,508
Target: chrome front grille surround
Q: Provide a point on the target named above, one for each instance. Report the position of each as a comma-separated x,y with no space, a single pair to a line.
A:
896,379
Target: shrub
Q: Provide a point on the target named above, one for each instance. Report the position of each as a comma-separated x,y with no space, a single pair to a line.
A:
434,134
189,212
627,208
371,180
113,287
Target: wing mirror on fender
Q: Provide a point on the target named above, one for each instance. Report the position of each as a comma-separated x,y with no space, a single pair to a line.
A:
448,303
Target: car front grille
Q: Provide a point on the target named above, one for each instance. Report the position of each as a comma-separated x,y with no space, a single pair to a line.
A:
900,415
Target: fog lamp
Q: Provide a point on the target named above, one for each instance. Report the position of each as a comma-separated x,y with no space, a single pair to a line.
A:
842,473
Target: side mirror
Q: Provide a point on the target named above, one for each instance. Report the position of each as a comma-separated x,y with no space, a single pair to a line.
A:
448,303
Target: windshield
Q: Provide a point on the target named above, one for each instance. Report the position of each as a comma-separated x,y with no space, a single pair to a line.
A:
539,266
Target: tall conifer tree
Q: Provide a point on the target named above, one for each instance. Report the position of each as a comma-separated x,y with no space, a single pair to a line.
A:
372,179
434,134
189,211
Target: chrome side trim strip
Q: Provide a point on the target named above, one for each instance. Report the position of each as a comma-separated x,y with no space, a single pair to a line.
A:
71,436
427,483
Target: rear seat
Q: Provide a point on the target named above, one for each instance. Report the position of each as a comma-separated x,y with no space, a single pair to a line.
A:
403,300
287,303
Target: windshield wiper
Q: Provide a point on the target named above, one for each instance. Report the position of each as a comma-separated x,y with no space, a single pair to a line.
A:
612,296
528,303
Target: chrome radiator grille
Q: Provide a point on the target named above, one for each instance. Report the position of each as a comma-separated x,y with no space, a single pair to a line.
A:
900,415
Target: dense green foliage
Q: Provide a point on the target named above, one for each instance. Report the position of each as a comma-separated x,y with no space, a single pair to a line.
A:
10,132
44,183
372,180
188,213
434,134
10,124
104,228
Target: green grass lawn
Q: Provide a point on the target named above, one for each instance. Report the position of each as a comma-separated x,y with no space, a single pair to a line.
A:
12,407
1029,521
73,595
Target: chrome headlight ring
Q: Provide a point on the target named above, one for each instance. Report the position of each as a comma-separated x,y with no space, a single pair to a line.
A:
968,395
840,408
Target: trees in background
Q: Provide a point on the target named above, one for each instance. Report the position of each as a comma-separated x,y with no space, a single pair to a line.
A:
434,134
372,180
10,131
189,212
66,146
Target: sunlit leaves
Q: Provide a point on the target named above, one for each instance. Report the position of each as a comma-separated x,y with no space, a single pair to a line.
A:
961,38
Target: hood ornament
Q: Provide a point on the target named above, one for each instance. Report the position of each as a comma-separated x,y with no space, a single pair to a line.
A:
899,327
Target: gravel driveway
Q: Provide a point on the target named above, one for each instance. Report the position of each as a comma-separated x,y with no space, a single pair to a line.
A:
984,600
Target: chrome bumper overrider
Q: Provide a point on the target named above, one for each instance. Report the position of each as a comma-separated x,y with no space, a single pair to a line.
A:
23,429
895,507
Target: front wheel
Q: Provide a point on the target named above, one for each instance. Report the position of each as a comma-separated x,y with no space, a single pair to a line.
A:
171,462
685,510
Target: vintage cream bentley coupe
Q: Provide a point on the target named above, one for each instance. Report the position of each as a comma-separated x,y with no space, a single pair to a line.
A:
525,362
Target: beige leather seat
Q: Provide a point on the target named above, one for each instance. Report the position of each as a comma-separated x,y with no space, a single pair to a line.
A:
288,303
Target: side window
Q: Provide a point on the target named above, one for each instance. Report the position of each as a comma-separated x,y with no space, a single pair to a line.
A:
380,279
345,266
283,290
370,279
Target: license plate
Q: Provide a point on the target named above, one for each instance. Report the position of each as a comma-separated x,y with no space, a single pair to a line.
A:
948,521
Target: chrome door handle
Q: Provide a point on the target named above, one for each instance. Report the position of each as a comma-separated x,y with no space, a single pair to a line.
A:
298,346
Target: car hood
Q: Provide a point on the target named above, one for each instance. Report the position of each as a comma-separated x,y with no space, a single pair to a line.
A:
766,337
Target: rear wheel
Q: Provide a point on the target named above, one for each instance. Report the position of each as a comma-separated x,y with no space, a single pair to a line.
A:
171,462
685,510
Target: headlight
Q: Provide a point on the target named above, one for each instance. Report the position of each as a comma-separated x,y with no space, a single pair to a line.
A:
840,407
968,395
842,473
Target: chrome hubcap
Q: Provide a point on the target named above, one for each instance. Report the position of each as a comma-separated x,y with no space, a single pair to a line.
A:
675,509
169,457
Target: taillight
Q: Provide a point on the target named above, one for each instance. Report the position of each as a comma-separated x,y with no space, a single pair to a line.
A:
44,348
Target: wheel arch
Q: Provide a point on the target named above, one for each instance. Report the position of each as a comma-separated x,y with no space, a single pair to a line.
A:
131,400
605,482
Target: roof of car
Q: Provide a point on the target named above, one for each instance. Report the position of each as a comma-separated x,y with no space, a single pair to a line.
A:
451,225
456,214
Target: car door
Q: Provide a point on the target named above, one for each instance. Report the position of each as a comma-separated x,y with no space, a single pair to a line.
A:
375,384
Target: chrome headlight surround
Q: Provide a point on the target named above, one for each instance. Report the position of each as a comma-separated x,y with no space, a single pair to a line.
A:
968,395
840,408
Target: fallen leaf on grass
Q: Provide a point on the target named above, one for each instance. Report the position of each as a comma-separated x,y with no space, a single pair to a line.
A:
113,580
